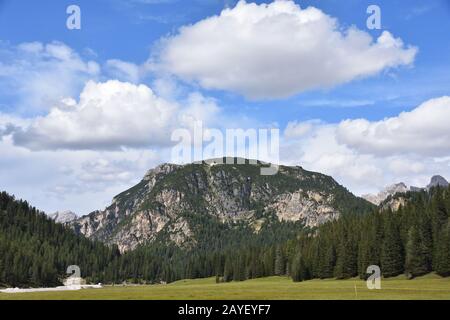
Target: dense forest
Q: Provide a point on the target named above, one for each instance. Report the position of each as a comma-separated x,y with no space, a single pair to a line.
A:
413,240
35,251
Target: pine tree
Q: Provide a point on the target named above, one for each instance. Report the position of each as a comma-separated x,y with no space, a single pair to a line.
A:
443,252
363,257
228,271
280,265
328,260
416,262
392,260
346,263
298,269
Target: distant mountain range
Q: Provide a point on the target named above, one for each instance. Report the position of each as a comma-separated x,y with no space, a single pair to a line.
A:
162,204
401,187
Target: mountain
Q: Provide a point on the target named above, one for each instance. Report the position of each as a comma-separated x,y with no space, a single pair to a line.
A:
414,240
379,198
35,251
384,194
171,197
437,181
63,217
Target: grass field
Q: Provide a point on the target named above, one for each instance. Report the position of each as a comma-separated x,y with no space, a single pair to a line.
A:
273,288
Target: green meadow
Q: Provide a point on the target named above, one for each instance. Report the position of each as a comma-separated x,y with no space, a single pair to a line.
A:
273,288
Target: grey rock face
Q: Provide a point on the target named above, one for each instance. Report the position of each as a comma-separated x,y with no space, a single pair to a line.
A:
384,194
311,207
63,216
437,181
160,202
394,203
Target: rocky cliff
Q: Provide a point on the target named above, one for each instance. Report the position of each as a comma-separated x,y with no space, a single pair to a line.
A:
395,197
63,216
384,194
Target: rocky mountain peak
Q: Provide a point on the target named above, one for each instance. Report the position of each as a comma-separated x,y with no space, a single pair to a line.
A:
165,169
401,187
386,192
437,181
63,216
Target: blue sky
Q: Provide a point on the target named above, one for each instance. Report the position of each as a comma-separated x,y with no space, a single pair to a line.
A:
115,32
127,30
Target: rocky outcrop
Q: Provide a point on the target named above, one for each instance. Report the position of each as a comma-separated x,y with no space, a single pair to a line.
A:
384,194
394,203
395,196
313,208
162,204
437,181
63,216
377,199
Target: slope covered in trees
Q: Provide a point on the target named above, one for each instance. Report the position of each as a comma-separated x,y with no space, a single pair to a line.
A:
414,240
35,251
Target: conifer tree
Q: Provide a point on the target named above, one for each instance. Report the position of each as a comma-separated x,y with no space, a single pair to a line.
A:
392,260
442,265
280,266
298,269
416,262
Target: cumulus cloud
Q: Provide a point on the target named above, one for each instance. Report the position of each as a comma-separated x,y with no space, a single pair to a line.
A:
423,131
295,129
37,75
81,181
318,150
110,116
277,50
124,70
366,156
107,116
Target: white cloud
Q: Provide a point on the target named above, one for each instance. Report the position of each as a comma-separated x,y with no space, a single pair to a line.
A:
318,150
366,156
110,116
81,181
277,50
200,108
37,75
423,131
296,129
107,134
124,70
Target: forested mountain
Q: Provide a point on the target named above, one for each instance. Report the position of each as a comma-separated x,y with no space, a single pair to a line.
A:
36,251
170,196
414,240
